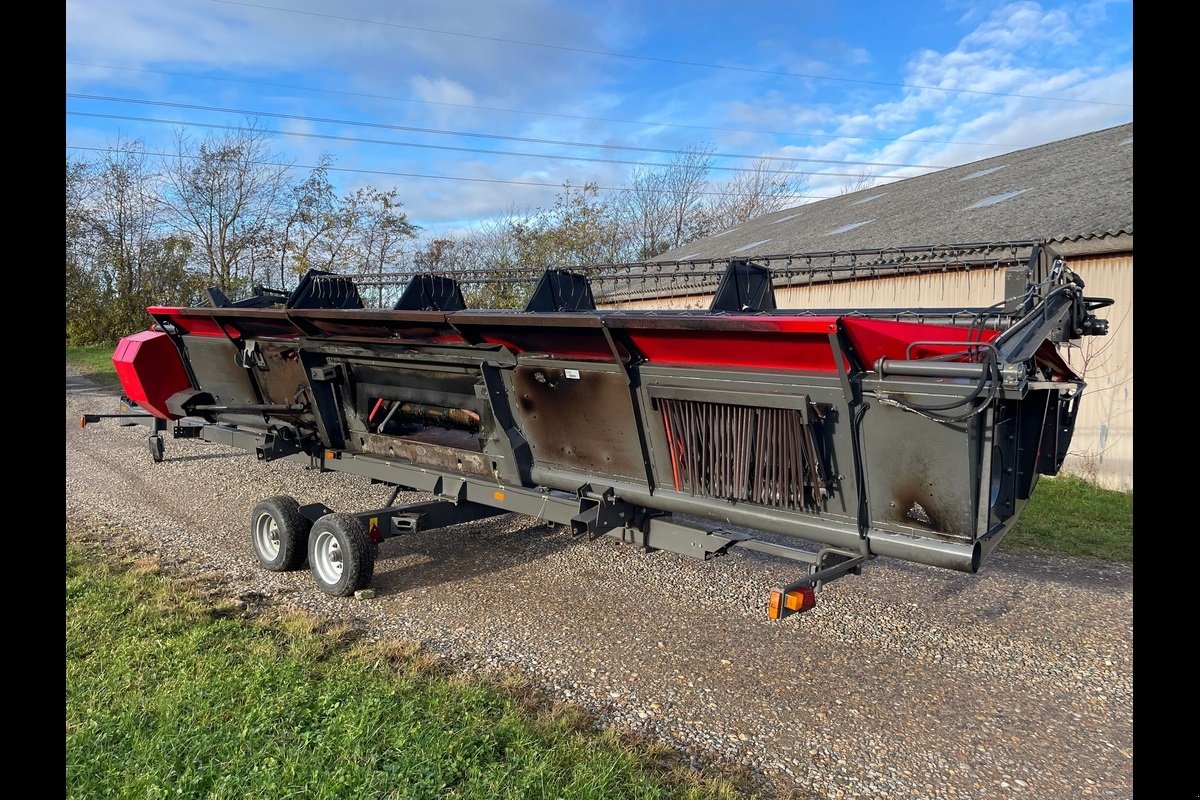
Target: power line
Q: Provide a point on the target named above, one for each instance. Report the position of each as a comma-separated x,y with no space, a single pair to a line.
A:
332,137
473,107
659,60
498,136
540,184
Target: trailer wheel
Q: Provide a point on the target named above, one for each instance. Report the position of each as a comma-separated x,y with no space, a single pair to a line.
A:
156,448
279,533
340,554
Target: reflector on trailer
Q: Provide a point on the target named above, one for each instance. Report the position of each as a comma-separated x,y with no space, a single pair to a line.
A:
801,599
793,601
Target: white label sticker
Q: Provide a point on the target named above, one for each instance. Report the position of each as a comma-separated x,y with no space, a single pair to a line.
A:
573,374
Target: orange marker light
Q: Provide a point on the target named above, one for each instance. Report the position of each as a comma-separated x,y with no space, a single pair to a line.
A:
801,599
498,495
784,604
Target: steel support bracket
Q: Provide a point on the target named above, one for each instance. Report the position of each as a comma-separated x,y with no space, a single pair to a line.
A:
800,596
600,511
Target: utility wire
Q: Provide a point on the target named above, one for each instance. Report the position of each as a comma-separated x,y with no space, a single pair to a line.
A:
393,143
581,118
434,177
524,139
659,60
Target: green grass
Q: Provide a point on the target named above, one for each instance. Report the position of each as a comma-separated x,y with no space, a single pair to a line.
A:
95,362
1071,516
169,695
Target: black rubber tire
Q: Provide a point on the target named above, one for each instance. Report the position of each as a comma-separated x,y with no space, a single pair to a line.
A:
291,528
156,448
341,555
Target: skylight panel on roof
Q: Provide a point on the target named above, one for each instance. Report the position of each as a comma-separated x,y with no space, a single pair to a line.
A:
689,255
748,246
722,233
785,219
1127,141
983,172
996,198
849,227
868,199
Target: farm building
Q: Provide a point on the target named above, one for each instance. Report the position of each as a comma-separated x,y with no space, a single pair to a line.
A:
1076,194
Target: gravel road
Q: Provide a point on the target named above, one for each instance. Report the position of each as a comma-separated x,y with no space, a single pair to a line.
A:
907,682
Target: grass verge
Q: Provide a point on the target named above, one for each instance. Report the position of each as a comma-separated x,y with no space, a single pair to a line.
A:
1073,517
171,695
94,361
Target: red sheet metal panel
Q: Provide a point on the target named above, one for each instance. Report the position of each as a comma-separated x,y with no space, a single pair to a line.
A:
197,322
150,370
881,338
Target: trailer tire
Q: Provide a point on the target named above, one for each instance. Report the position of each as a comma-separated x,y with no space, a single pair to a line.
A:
157,448
279,533
341,554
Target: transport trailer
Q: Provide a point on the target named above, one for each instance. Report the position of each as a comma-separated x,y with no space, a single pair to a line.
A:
916,434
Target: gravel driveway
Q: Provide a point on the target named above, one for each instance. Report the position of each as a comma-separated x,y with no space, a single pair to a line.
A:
907,682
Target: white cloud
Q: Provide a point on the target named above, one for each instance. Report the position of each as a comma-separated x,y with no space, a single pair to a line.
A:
441,90
1018,48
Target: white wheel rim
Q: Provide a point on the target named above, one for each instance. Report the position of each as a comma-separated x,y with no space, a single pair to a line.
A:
327,558
266,536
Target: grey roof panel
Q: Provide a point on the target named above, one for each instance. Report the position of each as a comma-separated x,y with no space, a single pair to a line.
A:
980,173
997,198
1077,188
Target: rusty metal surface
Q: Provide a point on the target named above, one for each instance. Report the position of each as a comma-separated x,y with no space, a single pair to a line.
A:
919,474
435,448
437,416
765,456
283,376
583,424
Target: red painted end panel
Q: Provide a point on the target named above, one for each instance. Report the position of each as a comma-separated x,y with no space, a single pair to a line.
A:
881,338
195,325
774,350
150,370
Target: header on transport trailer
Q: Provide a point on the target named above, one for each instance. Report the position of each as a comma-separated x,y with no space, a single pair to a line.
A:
915,433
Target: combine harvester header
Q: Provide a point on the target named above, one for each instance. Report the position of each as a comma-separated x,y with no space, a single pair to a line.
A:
916,434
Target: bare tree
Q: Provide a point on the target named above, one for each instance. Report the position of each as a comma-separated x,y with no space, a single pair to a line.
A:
311,204
120,256
226,193
661,206
684,183
79,185
381,231
766,187
864,180
645,213
494,248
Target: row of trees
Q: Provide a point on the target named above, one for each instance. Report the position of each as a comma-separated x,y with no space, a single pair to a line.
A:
227,211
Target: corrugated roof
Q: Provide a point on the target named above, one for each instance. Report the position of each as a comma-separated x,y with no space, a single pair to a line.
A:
1073,189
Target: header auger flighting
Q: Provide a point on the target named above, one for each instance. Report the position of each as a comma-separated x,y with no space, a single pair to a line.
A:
916,434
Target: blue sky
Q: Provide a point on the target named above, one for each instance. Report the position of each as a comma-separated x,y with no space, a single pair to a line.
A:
882,88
